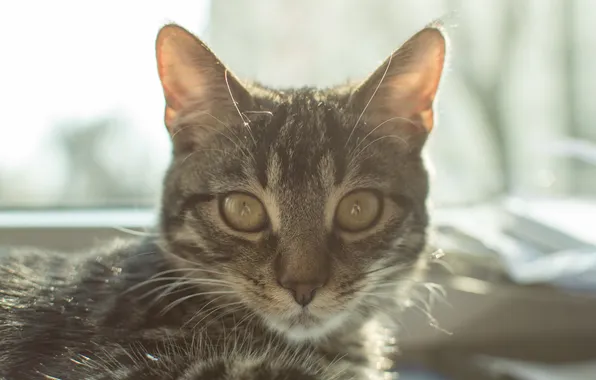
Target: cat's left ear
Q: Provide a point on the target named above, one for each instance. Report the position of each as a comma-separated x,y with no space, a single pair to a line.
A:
401,92
194,79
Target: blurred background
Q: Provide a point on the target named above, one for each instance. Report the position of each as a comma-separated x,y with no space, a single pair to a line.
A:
83,148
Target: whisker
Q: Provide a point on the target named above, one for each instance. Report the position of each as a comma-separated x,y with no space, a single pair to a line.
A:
224,309
237,144
260,112
134,232
168,292
189,270
200,151
248,318
211,271
198,313
159,288
379,126
179,130
193,264
227,312
357,154
444,264
226,126
197,267
175,270
182,299
370,100
435,289
431,320
392,267
198,281
242,117
201,309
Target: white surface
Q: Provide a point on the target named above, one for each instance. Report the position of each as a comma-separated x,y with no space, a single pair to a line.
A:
78,219
534,371
575,217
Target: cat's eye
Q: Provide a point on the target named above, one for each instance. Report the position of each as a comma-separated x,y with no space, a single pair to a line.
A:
358,210
243,212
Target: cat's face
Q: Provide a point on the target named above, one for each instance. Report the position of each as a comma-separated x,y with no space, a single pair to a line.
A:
303,206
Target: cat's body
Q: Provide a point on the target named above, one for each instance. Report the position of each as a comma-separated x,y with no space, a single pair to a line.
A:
290,222
95,316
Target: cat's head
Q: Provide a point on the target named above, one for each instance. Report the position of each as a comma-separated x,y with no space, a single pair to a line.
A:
302,205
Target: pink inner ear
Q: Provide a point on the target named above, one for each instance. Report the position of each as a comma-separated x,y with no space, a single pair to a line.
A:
176,67
169,117
193,79
427,118
172,92
413,92
408,96
169,75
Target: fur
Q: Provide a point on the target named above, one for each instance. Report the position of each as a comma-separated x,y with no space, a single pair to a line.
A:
203,300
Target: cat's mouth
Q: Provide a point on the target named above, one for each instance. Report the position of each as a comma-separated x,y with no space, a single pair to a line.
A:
304,318
305,325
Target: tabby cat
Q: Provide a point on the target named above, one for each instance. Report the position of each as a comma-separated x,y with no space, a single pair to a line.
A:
290,222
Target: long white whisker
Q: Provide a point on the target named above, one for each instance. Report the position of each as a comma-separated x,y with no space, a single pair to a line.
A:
219,308
236,144
248,318
370,100
182,299
134,232
200,151
179,130
259,112
175,270
226,126
357,155
201,309
245,121
379,126
169,287
197,281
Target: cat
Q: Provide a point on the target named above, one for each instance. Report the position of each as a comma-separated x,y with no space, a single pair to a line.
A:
290,221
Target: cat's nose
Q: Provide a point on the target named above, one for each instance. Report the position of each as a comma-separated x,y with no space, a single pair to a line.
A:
303,292
303,267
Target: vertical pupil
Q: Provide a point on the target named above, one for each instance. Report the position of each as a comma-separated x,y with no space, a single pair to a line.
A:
355,211
245,209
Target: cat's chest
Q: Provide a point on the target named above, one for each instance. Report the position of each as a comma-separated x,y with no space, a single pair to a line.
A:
368,349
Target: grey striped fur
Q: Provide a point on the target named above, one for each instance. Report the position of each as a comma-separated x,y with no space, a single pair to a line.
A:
200,300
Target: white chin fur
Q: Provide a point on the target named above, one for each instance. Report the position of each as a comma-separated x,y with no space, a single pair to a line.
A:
317,331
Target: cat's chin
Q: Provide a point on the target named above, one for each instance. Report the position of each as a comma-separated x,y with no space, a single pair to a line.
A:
307,327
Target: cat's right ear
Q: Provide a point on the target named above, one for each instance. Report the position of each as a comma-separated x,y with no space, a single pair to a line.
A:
398,98
194,80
